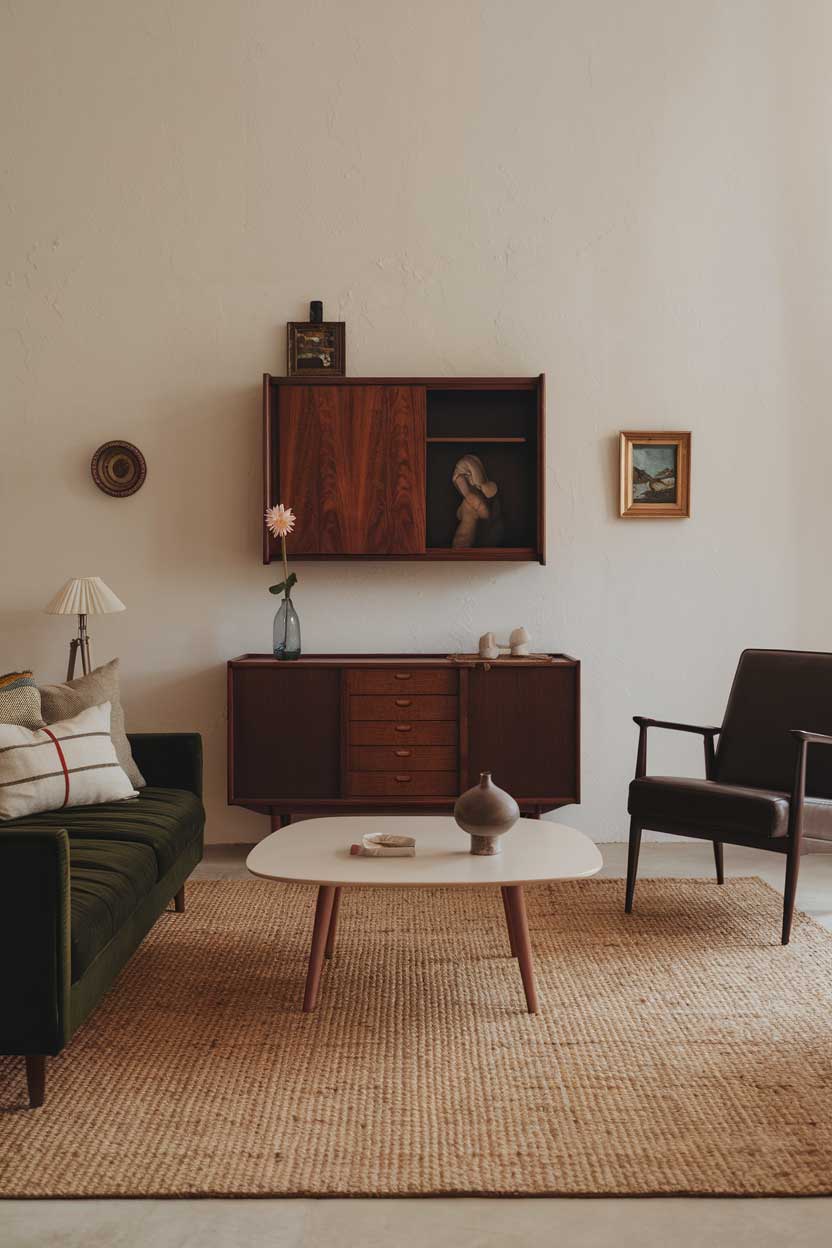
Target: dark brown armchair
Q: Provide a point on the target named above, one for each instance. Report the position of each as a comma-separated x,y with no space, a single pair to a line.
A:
763,786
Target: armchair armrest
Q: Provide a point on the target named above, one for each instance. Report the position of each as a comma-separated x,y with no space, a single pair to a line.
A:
707,734
811,738
804,739
663,723
171,760
35,974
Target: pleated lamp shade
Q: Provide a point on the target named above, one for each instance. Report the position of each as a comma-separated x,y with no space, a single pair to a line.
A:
85,595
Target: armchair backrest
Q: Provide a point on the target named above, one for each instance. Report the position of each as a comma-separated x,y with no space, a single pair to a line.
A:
773,692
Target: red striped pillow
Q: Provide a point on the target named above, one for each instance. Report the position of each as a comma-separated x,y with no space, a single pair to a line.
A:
71,763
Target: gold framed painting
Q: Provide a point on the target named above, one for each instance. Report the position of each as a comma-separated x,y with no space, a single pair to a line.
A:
655,475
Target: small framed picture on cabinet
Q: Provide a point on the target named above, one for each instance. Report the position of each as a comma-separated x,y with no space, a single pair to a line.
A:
316,349
655,475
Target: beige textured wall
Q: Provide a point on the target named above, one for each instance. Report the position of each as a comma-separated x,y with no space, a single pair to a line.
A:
633,198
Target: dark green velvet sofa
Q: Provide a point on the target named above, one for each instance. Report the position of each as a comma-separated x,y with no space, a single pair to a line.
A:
79,890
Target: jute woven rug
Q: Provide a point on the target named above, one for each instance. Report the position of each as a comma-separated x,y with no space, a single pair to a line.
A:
678,1050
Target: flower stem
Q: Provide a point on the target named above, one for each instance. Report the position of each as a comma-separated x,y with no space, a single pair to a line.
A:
285,567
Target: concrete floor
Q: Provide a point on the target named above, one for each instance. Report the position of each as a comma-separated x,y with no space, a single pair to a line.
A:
448,1222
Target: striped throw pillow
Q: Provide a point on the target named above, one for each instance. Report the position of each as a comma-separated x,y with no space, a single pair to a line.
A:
20,700
71,763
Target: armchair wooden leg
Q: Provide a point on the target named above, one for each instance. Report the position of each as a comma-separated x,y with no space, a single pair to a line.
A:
792,869
179,901
36,1078
632,864
718,859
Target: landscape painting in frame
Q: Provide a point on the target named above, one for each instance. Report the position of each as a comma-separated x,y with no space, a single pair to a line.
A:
655,475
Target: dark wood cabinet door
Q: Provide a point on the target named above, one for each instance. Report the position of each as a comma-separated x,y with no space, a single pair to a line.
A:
285,738
352,467
523,728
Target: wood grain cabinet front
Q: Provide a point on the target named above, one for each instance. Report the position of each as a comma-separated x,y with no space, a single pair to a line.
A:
404,707
398,758
370,466
394,732
399,732
352,466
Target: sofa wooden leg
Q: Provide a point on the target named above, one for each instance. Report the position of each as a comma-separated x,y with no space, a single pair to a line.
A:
179,901
632,865
36,1078
718,859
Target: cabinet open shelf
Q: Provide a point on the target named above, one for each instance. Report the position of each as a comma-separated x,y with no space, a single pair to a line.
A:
368,465
474,439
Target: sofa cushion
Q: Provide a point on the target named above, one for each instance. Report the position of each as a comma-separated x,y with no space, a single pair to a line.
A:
107,881
99,685
20,700
71,763
165,820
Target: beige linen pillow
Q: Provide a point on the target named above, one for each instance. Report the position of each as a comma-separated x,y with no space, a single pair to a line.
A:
70,763
101,685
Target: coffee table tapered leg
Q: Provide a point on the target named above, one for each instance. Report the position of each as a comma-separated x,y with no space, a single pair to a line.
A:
509,924
520,927
333,924
320,932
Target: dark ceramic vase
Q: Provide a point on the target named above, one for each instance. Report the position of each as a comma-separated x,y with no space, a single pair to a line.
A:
486,813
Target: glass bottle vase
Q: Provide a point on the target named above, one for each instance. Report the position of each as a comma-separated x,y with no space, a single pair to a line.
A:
286,631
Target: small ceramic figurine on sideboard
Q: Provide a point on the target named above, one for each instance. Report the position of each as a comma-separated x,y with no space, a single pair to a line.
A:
518,645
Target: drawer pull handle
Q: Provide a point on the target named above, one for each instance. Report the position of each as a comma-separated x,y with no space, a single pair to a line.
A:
404,727
404,701
403,753
403,675
403,779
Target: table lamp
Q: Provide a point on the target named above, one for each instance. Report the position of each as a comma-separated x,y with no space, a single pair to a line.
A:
83,596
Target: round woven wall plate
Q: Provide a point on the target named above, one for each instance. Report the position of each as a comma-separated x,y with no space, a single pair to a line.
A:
118,468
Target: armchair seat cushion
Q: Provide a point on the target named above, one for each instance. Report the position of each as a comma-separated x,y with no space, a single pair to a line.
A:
708,807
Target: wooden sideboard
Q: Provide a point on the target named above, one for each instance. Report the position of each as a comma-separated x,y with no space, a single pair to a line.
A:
408,732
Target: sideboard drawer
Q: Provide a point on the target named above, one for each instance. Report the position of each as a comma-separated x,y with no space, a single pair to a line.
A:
366,732
403,757
403,707
401,784
401,682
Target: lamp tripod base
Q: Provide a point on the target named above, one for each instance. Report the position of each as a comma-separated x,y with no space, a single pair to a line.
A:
79,645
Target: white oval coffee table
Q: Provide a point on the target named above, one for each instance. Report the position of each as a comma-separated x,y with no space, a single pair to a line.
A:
317,851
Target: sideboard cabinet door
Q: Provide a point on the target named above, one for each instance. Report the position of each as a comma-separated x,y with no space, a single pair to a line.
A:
352,468
285,733
523,727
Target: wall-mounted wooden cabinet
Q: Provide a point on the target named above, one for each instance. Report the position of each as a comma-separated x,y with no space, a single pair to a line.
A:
367,464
